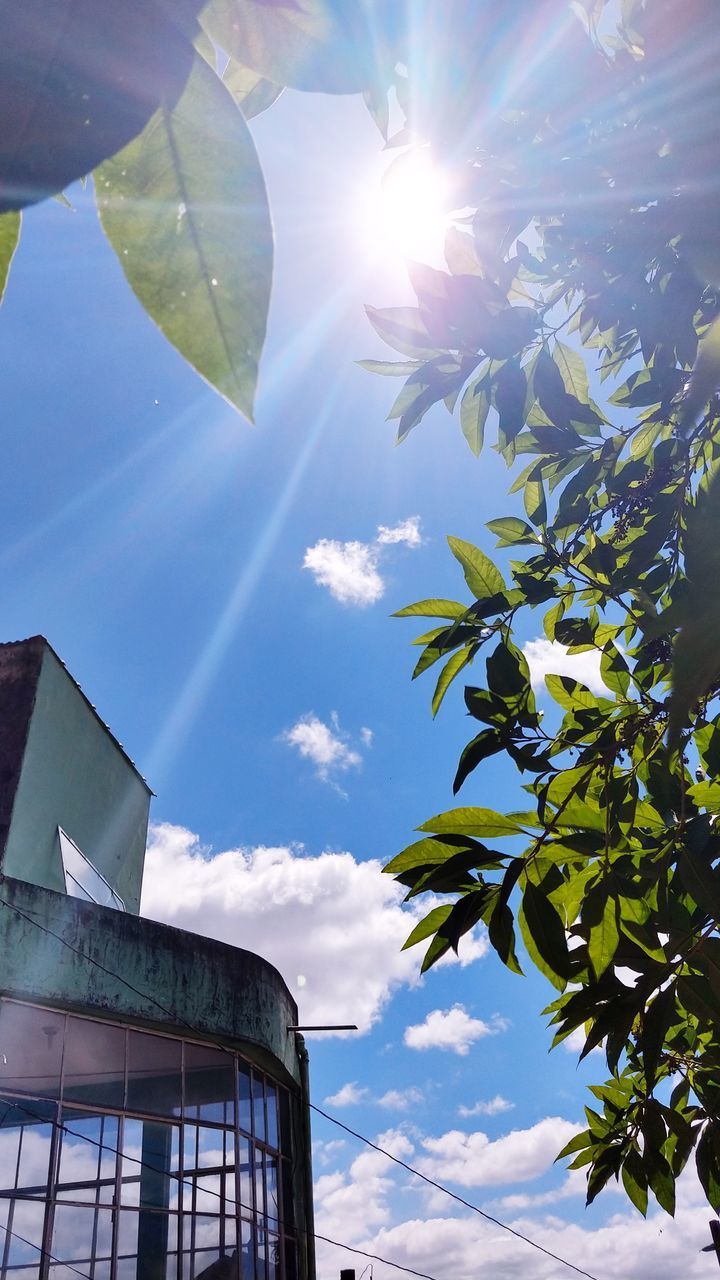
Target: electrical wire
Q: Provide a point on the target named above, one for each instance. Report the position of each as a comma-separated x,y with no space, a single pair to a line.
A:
453,1196
39,1249
519,1235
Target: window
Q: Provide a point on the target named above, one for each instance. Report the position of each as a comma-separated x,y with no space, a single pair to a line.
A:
82,879
126,1155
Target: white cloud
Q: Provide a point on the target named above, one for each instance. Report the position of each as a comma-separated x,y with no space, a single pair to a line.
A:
352,1094
488,1107
351,570
337,922
452,1029
407,532
326,745
472,1160
547,657
348,1096
401,1099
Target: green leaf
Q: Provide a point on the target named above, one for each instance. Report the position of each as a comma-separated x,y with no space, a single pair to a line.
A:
428,925
701,881
432,608
534,498
600,912
570,694
474,409
452,668
487,743
572,371
472,822
614,670
511,531
185,209
9,238
403,329
544,936
391,368
431,851
314,45
252,92
635,1180
483,579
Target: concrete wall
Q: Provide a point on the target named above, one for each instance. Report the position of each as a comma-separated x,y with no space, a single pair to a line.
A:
74,775
65,952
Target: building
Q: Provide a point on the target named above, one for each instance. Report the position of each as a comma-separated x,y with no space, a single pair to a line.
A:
153,1096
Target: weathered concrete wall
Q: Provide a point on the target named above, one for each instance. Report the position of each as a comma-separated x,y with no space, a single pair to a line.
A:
75,775
65,952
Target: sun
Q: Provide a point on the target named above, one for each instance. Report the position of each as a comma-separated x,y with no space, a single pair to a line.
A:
407,214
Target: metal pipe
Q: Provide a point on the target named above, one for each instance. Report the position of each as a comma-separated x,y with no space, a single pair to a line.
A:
303,1062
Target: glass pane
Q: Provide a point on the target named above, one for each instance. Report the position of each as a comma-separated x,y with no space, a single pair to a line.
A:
245,1161
273,1256
261,1253
31,1042
88,1157
147,1246
94,1068
150,1167
25,1143
154,1074
247,1251
24,1227
244,1106
259,1183
209,1081
209,1245
82,878
271,1192
272,1113
81,1236
258,1094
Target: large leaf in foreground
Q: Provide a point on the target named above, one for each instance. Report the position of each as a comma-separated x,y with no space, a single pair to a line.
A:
9,237
185,208
78,80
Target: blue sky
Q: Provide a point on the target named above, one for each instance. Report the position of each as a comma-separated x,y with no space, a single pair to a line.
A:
195,575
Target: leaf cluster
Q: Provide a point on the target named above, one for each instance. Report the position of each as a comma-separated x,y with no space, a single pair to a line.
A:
587,223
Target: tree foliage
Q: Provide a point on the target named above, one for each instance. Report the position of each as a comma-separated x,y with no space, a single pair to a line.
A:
577,320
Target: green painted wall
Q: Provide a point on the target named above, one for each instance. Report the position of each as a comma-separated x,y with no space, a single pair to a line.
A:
65,953
74,775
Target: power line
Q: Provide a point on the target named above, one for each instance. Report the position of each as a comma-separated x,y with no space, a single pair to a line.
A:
453,1196
360,1137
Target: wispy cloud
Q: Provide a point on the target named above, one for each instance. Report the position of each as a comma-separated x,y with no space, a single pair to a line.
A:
547,657
451,1029
352,1094
351,570
327,746
487,1107
407,532
348,1096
